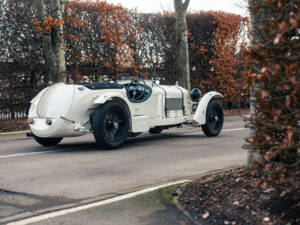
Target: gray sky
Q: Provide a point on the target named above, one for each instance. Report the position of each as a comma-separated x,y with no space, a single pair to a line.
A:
195,5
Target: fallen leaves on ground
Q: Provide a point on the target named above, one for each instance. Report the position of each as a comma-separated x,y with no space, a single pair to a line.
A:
232,197
13,125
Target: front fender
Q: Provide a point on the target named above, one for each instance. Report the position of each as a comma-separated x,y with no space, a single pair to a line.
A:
200,115
108,97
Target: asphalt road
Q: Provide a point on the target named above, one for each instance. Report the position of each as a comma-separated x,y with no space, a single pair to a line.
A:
34,178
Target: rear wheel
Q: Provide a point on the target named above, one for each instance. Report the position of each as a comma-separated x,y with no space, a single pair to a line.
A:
214,119
47,141
110,125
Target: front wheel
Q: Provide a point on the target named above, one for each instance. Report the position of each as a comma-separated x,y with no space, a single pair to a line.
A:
110,125
214,119
47,141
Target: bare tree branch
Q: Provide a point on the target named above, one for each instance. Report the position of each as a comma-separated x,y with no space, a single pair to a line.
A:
40,5
186,4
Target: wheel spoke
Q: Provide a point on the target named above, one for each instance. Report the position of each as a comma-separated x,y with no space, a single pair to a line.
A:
114,133
111,115
115,118
214,119
213,124
112,124
111,135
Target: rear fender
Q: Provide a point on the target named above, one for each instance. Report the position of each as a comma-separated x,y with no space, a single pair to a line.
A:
109,96
200,115
34,103
112,96
39,95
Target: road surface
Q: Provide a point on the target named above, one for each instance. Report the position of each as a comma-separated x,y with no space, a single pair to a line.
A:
34,179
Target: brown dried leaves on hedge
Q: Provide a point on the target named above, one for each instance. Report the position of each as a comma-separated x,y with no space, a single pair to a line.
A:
274,65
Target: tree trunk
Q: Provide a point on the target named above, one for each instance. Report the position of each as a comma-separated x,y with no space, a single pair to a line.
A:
258,16
53,42
182,54
253,154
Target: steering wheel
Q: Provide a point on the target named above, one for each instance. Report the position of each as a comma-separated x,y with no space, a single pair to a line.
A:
136,89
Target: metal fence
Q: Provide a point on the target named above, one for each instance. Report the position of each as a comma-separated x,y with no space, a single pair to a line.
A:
16,93
15,100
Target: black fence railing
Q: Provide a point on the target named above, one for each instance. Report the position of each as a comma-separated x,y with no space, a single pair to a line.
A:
16,93
15,101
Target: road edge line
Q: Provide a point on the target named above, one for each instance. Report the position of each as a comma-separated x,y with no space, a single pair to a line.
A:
15,132
27,154
234,129
94,204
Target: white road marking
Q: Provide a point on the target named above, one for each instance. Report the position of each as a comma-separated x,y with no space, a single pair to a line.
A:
45,152
227,130
92,205
16,132
235,129
26,154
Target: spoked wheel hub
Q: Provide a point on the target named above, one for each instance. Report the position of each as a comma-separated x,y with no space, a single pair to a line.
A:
214,119
112,126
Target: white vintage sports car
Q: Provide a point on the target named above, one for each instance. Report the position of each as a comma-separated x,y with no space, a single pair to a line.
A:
115,111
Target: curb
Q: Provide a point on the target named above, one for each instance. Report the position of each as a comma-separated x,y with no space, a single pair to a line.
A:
16,132
181,209
63,212
23,218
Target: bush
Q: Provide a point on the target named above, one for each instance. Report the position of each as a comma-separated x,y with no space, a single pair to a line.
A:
274,67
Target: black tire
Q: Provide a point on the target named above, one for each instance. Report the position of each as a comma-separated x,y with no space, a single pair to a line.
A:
214,119
110,125
47,141
156,130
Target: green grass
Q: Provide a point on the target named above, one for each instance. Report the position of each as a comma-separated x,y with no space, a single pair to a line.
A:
166,194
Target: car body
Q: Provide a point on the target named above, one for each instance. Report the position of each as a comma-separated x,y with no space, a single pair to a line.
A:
113,111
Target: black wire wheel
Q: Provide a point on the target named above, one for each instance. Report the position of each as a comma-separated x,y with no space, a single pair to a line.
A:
110,125
47,141
214,119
